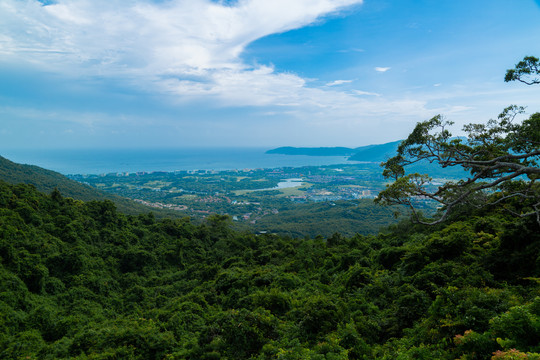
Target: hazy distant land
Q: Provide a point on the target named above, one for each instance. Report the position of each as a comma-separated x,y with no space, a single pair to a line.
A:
375,153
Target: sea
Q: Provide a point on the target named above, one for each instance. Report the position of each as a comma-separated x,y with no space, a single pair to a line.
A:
104,161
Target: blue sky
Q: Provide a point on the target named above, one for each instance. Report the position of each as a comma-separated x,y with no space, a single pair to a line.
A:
183,73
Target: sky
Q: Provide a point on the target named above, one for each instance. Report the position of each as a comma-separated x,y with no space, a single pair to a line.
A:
254,73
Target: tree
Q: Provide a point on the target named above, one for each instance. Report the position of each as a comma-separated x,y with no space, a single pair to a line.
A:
525,71
501,156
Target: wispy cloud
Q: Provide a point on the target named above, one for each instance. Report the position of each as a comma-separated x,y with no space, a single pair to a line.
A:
382,69
338,82
367,93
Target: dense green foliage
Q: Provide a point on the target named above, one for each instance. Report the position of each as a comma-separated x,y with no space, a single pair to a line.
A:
326,218
82,281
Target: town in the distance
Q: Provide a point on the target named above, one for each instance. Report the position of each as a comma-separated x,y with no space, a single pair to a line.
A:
245,195
262,199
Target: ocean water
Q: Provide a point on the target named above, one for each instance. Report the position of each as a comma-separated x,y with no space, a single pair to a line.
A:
101,161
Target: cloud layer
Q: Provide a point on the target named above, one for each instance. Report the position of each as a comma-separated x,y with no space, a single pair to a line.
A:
188,52
186,47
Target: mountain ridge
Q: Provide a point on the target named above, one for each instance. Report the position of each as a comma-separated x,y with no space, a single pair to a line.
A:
369,153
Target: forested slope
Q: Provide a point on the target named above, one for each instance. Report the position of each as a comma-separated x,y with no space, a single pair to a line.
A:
82,281
47,180
326,218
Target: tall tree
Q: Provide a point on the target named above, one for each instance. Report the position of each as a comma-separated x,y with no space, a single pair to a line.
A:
502,157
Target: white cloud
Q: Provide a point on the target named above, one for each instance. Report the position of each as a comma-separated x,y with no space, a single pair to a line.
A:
360,92
338,82
186,48
142,37
189,50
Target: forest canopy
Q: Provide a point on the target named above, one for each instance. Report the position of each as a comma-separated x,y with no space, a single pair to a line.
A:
82,281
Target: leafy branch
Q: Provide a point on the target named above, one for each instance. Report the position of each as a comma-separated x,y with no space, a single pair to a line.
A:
501,156
525,71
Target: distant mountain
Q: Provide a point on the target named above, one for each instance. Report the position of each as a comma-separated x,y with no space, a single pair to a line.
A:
47,180
375,153
316,151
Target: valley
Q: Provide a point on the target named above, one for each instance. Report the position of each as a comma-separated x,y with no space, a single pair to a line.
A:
263,200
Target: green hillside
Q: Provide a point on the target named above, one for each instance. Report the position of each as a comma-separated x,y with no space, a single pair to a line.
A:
326,218
83,281
47,180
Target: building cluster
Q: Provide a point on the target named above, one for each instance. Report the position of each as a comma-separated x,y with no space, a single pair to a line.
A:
159,205
340,193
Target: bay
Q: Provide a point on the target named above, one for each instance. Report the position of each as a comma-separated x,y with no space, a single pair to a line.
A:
102,161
